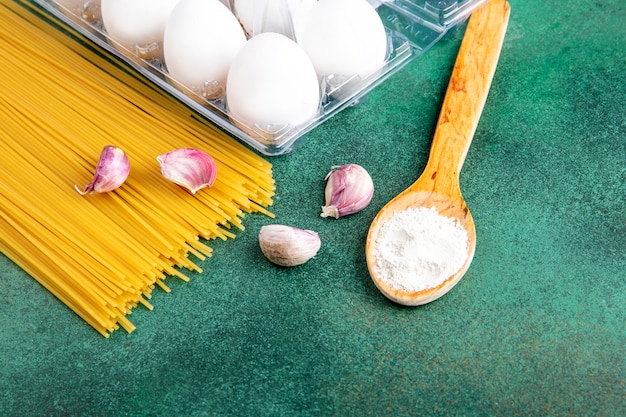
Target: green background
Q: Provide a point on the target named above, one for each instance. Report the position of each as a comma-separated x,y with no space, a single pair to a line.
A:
535,328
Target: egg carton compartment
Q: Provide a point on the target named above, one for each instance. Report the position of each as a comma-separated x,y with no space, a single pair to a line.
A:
412,27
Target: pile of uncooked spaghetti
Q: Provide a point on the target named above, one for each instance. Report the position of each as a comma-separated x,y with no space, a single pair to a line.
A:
60,103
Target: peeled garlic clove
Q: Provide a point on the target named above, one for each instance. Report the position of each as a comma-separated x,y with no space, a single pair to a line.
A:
111,172
349,189
288,246
189,168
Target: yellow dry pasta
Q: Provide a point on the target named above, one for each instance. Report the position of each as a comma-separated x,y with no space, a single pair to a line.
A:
102,255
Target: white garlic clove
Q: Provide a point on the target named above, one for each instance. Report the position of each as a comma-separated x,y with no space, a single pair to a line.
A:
288,246
349,189
111,171
189,168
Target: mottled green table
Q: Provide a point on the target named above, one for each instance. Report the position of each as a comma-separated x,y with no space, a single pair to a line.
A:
536,327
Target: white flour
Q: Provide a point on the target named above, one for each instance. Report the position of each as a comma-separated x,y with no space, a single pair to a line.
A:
418,248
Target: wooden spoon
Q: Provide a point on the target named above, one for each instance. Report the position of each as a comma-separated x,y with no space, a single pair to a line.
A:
438,186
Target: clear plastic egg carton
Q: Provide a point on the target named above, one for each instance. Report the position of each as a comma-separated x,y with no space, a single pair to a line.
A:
412,27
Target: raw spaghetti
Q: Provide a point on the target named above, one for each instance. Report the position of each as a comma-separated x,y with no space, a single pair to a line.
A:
102,255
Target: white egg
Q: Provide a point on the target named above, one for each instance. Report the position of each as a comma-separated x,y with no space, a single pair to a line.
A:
272,86
201,39
344,37
280,16
136,23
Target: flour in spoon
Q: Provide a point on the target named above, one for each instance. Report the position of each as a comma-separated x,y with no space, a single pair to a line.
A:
417,249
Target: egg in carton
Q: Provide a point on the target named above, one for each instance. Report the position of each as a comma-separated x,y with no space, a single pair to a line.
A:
136,27
200,41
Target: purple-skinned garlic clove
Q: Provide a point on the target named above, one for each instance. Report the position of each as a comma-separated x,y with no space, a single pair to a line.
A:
189,168
349,189
111,171
287,245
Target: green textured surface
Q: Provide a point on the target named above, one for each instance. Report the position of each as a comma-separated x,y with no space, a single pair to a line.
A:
536,327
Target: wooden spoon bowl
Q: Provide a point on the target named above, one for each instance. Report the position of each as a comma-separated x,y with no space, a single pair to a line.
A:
445,206
438,186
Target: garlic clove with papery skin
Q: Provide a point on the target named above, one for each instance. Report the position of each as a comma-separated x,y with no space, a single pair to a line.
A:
188,167
111,171
349,189
288,246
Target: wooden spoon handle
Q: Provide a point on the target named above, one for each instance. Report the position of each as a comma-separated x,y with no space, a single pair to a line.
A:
466,95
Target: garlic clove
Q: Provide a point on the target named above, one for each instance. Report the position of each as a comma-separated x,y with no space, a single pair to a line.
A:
189,168
111,171
349,189
288,246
